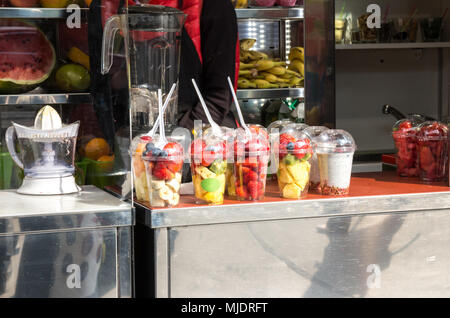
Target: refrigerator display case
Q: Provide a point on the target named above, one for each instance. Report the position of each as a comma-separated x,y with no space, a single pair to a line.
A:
277,30
65,245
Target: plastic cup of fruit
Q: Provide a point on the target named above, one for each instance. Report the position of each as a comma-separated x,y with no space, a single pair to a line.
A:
250,165
432,151
274,130
295,151
208,168
228,137
314,176
139,175
163,166
404,135
335,149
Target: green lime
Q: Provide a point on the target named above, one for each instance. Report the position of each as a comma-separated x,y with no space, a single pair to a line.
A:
210,185
72,78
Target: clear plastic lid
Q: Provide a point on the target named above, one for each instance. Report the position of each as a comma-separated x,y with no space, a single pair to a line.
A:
294,141
432,130
314,131
254,144
297,126
406,127
278,124
335,141
159,149
209,147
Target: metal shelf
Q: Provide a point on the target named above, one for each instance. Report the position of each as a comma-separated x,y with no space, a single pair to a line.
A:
38,13
271,93
45,99
278,13
388,46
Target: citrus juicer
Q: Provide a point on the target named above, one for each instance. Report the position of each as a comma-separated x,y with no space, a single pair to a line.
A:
47,154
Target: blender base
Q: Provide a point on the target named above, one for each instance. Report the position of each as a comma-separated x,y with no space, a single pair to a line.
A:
49,186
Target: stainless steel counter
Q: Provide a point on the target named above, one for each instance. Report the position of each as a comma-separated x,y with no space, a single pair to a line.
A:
374,245
75,245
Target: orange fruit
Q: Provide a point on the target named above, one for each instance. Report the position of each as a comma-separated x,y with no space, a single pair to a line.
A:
96,148
88,3
107,163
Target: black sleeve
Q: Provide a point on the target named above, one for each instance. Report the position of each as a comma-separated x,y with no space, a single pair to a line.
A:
219,36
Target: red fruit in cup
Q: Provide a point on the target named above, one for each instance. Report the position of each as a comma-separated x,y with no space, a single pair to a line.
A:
241,191
173,149
253,189
161,172
174,166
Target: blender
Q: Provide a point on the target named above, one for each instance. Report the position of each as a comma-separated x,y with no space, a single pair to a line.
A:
47,154
152,36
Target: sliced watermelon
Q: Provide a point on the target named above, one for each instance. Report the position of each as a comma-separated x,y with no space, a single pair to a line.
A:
27,57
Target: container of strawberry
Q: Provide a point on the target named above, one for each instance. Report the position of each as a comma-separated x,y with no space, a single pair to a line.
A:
208,168
163,160
314,176
295,152
251,156
432,151
404,134
335,149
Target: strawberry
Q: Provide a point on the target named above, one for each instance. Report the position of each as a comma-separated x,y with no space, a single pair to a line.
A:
241,192
208,157
253,189
174,166
250,175
173,149
426,157
251,163
161,172
286,138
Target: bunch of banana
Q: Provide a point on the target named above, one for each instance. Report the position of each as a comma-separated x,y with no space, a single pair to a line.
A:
258,70
297,60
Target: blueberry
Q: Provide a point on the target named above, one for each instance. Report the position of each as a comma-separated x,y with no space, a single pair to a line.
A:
145,153
156,152
149,146
163,154
290,146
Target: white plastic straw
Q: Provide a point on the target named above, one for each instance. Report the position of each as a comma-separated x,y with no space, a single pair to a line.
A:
161,118
216,129
166,103
238,108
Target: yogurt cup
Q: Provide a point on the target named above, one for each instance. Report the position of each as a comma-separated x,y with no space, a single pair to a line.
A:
335,149
314,176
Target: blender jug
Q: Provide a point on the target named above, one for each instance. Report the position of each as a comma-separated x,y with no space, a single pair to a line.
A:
152,44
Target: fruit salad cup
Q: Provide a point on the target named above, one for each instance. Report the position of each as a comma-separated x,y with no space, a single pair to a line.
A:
208,167
432,151
251,153
335,149
314,176
228,137
274,130
163,166
139,175
404,135
295,151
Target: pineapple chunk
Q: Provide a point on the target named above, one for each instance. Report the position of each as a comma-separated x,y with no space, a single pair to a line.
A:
299,172
214,197
199,192
204,172
283,174
222,180
292,191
